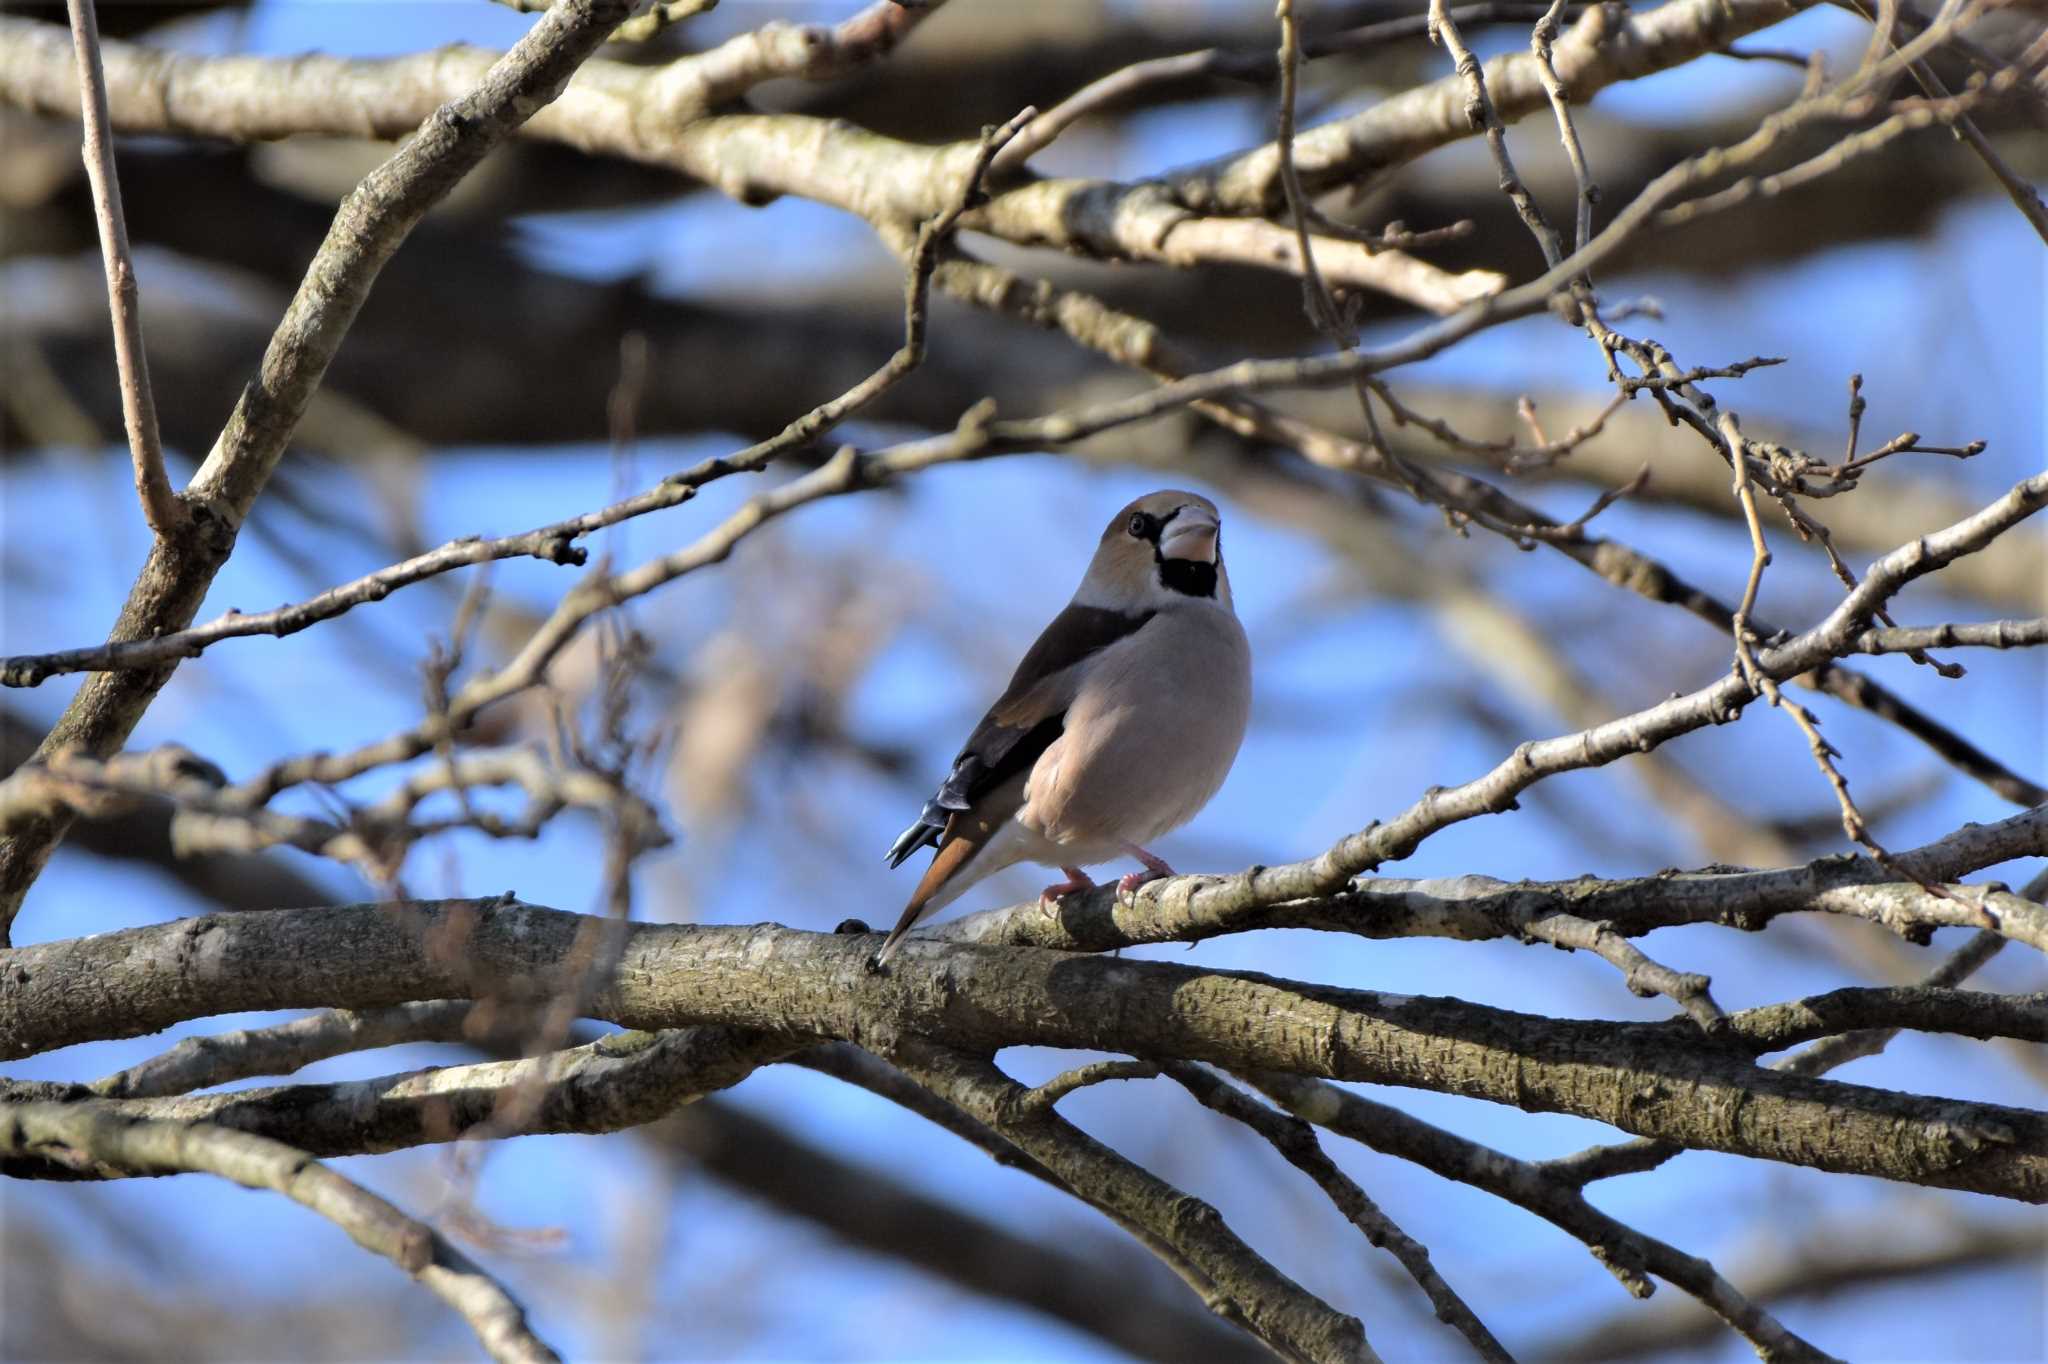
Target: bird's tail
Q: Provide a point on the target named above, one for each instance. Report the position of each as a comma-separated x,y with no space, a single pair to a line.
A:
947,876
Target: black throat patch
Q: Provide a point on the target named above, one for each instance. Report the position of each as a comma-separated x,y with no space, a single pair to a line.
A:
1190,577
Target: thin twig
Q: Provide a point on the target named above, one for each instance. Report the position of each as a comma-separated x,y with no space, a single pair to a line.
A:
555,542
1296,1141
1048,1095
1540,39
1626,1253
1484,118
1258,67
2024,196
1290,1321
1991,634
161,507
1642,975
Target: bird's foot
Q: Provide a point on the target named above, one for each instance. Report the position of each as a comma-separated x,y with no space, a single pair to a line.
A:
1155,869
1049,898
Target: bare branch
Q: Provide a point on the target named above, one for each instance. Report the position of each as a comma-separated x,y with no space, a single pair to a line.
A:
619,1081
1291,1321
660,116
368,229
2023,195
1687,989
1835,1259
1060,1086
221,1058
1626,1253
1634,1157
160,506
843,1061
1295,1140
1122,86
210,819
1477,908
94,1141
661,15
1137,343
769,980
873,1210
556,542
1995,634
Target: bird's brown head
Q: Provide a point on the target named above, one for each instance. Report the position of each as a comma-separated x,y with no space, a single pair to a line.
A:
1164,549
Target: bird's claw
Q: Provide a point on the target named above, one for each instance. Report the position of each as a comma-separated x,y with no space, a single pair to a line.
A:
1050,899
1127,886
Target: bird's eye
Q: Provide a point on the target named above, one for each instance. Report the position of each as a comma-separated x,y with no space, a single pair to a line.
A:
1141,526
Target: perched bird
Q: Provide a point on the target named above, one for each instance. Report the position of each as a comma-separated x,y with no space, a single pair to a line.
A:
1118,726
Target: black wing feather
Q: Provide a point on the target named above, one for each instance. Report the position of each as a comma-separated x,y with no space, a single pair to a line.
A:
997,751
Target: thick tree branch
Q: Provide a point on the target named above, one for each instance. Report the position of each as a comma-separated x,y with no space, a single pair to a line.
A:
656,114
1634,1157
778,981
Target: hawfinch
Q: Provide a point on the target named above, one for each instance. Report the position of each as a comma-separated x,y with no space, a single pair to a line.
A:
1118,726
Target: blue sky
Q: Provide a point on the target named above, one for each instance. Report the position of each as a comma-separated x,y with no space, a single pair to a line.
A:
1948,333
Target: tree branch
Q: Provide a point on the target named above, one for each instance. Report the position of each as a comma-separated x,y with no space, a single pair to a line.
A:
93,1140
1060,1274
369,227
621,1080
1836,1259
767,979
279,1049
658,115
1296,1142
1634,1157
1625,1252
1477,908
160,506
1139,344
1291,1321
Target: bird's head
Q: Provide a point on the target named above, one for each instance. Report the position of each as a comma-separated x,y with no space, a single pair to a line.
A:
1164,549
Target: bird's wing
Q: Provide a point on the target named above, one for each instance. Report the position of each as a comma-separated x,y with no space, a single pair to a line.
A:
1025,719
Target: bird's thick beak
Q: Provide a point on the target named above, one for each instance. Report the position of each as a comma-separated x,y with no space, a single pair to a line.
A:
1190,535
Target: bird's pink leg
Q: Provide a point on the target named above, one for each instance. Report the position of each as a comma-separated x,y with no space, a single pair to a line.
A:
1155,868
1049,898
